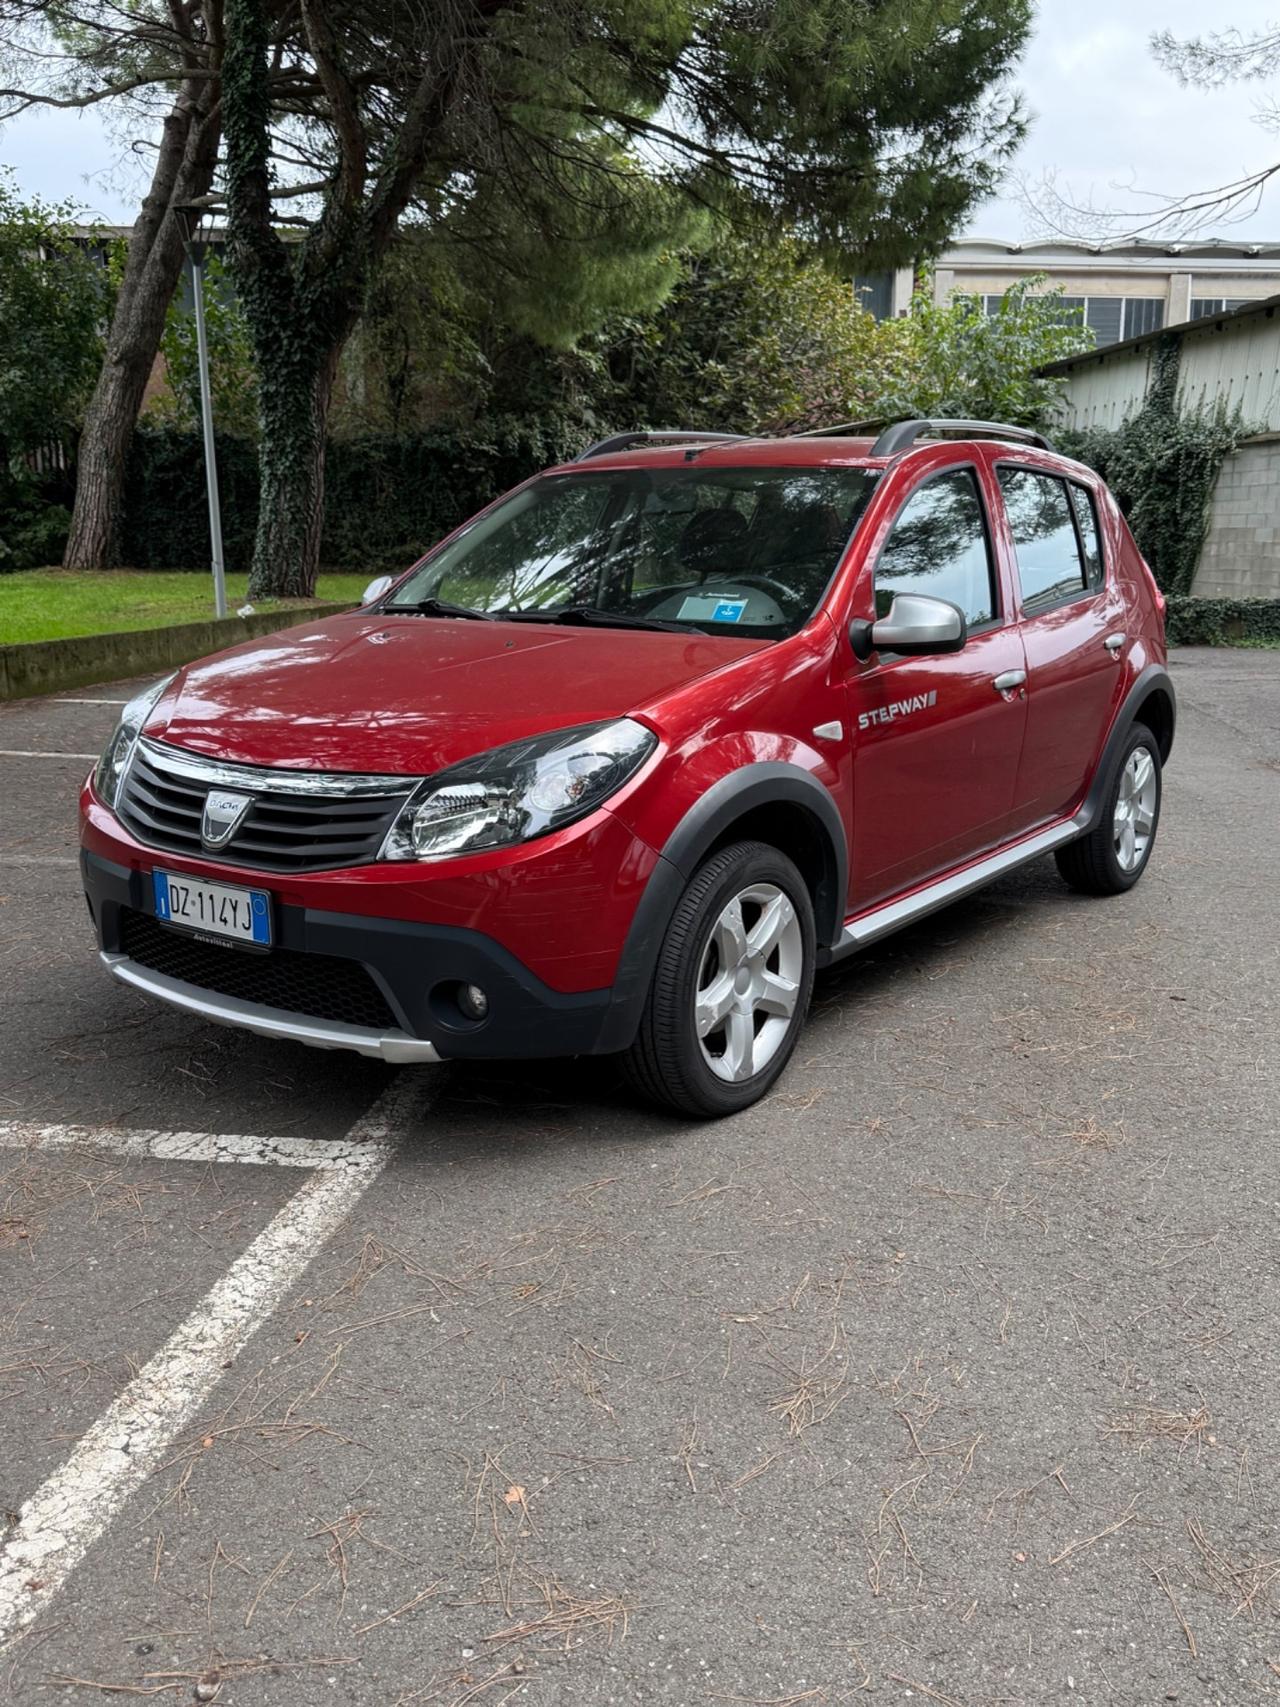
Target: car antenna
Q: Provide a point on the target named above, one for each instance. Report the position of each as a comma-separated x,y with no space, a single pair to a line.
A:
695,451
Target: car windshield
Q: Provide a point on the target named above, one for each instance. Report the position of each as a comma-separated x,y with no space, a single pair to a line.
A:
731,551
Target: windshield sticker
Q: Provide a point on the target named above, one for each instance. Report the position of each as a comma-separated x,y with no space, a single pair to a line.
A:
706,607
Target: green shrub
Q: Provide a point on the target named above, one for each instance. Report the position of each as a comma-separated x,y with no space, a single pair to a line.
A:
33,523
54,300
1223,622
42,540
233,379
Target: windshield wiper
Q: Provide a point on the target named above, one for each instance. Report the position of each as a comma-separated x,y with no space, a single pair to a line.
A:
591,616
439,607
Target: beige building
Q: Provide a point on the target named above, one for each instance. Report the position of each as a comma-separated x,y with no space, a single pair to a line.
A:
1125,289
1228,361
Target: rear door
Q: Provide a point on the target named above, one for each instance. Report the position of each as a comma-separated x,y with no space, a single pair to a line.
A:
936,739
1072,630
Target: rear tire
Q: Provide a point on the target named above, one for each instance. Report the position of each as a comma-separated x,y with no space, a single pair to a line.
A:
1114,854
731,986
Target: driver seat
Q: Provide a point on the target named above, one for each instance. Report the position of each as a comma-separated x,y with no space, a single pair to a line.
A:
712,543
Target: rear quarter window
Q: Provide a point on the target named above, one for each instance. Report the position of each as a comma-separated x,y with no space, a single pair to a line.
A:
1086,513
1051,564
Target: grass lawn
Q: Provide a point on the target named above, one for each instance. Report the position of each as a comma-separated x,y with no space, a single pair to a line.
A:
55,604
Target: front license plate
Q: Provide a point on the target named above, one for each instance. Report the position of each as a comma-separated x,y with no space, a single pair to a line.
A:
213,909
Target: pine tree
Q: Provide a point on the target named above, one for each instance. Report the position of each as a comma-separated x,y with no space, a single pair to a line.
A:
585,129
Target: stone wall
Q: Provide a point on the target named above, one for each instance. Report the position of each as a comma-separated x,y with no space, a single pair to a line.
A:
34,667
1241,554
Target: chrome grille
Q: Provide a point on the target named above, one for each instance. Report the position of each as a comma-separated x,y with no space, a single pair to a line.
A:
299,820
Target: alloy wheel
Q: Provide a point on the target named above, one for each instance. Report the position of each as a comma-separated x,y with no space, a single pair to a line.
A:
1135,810
748,982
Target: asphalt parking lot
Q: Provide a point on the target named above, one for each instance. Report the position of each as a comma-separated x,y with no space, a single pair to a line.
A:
947,1374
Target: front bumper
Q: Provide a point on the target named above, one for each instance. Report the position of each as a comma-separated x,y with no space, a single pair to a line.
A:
395,980
393,1046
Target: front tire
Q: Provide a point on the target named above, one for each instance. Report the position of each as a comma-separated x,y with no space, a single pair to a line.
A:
1114,854
731,987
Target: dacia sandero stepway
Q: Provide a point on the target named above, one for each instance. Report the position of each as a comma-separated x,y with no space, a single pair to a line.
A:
625,760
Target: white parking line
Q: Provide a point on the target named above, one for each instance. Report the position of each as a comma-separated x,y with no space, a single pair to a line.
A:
24,753
353,1151
87,702
56,1527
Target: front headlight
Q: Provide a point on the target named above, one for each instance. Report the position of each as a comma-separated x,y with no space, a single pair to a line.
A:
119,749
515,793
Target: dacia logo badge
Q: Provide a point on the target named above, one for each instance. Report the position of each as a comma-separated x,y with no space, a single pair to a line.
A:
223,813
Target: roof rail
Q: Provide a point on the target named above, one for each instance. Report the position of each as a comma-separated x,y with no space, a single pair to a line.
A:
665,435
858,429
903,434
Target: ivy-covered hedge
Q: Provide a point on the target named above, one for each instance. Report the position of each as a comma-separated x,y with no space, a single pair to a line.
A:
1222,622
166,510
1162,465
387,498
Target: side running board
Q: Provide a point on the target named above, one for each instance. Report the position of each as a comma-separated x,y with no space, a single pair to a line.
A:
893,915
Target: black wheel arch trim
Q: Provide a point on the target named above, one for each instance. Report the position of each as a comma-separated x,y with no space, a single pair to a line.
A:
734,797
1154,679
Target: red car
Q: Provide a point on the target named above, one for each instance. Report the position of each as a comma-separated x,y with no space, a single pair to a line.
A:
630,756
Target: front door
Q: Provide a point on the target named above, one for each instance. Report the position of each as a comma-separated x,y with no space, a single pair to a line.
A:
936,739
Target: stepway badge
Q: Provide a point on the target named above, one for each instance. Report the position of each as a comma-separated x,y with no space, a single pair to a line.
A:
897,708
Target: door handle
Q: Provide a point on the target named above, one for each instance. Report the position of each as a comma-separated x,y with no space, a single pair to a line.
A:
1114,642
1009,680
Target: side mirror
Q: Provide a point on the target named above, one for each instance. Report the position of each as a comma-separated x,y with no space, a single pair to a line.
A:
376,588
916,626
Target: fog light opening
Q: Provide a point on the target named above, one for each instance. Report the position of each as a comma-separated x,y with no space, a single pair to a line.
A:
473,1004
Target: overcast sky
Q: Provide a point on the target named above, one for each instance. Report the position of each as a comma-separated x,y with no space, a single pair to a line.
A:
1104,117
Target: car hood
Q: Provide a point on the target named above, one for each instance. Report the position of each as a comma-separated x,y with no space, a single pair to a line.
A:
410,694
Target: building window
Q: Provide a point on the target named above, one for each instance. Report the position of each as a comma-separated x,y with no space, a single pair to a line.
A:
1205,307
1070,308
1110,318
1142,314
874,292
1104,316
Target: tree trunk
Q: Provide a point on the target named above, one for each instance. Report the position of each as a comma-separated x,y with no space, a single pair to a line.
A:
303,299
184,171
294,413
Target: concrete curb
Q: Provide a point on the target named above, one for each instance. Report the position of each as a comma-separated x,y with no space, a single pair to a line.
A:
49,666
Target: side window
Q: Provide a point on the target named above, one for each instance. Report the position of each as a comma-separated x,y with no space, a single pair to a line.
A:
1044,537
1090,538
939,546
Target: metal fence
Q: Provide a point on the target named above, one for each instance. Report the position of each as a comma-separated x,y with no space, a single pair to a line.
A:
54,456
